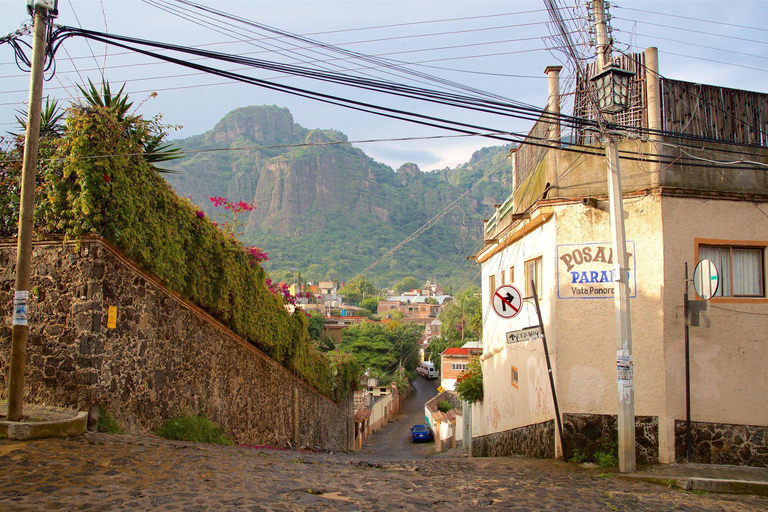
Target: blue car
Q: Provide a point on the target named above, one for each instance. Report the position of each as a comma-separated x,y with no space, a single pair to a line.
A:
420,433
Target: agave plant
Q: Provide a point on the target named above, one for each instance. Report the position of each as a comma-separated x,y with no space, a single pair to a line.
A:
51,117
154,149
104,98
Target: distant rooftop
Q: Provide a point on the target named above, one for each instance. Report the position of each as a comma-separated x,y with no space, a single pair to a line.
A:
441,299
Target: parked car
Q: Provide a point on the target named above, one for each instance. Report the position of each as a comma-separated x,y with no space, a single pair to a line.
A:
420,433
427,370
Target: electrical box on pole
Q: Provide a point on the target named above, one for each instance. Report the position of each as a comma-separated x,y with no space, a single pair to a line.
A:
49,5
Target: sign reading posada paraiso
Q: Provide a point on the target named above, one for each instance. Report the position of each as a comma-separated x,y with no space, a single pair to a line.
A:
586,271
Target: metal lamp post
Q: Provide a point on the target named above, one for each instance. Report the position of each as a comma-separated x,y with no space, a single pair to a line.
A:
612,84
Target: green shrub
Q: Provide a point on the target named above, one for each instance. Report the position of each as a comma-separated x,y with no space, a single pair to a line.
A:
608,456
469,384
578,456
444,406
106,423
197,429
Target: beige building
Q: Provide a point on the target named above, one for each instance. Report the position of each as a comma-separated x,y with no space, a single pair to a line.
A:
555,230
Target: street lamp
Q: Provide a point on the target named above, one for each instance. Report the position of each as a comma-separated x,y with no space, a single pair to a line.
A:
612,86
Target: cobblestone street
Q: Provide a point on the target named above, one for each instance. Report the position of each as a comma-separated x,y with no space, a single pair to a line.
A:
111,472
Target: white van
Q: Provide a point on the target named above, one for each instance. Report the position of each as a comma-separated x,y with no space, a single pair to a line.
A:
427,370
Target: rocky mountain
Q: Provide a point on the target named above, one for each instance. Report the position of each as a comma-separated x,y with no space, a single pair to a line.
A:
323,207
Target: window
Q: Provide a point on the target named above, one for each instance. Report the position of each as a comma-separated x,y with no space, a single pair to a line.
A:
502,278
514,377
533,273
491,287
460,367
511,275
741,269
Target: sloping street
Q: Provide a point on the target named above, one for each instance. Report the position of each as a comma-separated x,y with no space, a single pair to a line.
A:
394,440
101,472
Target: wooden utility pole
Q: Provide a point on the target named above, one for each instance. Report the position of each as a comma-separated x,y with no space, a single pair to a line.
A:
26,214
624,358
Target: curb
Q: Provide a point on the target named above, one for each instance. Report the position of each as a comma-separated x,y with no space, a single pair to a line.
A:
718,485
25,430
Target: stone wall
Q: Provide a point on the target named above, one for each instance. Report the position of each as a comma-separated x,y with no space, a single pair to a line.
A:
718,443
536,440
591,433
164,357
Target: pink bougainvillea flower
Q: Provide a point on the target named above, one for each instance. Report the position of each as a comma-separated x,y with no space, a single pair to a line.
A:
200,214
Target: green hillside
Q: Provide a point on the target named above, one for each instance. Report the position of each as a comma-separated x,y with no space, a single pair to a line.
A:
323,207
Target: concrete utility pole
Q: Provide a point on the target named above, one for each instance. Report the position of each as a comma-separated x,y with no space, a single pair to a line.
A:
624,362
26,214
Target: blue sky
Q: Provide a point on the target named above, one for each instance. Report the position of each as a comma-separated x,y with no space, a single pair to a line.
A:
500,47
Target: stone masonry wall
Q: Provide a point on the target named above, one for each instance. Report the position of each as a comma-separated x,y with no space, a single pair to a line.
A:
590,433
536,440
164,357
718,443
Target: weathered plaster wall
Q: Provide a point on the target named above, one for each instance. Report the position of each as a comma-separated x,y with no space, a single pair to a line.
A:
164,357
729,377
505,406
678,173
590,180
585,327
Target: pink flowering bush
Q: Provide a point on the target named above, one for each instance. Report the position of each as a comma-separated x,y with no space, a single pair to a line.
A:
232,211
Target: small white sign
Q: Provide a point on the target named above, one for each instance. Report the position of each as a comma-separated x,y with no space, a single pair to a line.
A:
20,300
531,333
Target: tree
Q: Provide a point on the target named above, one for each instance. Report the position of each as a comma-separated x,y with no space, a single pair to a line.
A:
358,289
407,284
371,304
436,347
460,317
383,348
315,325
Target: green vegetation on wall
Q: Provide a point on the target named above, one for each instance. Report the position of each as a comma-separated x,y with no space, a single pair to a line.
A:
95,179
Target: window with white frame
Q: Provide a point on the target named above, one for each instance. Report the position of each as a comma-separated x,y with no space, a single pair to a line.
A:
741,269
460,367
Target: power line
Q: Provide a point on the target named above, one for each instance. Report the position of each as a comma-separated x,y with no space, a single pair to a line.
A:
715,61
668,15
688,43
693,31
370,67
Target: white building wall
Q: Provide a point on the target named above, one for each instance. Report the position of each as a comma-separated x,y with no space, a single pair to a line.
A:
505,406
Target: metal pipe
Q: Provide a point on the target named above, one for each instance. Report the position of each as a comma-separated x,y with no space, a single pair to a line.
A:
558,420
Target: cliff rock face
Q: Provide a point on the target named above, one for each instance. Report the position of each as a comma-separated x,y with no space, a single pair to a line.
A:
324,206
